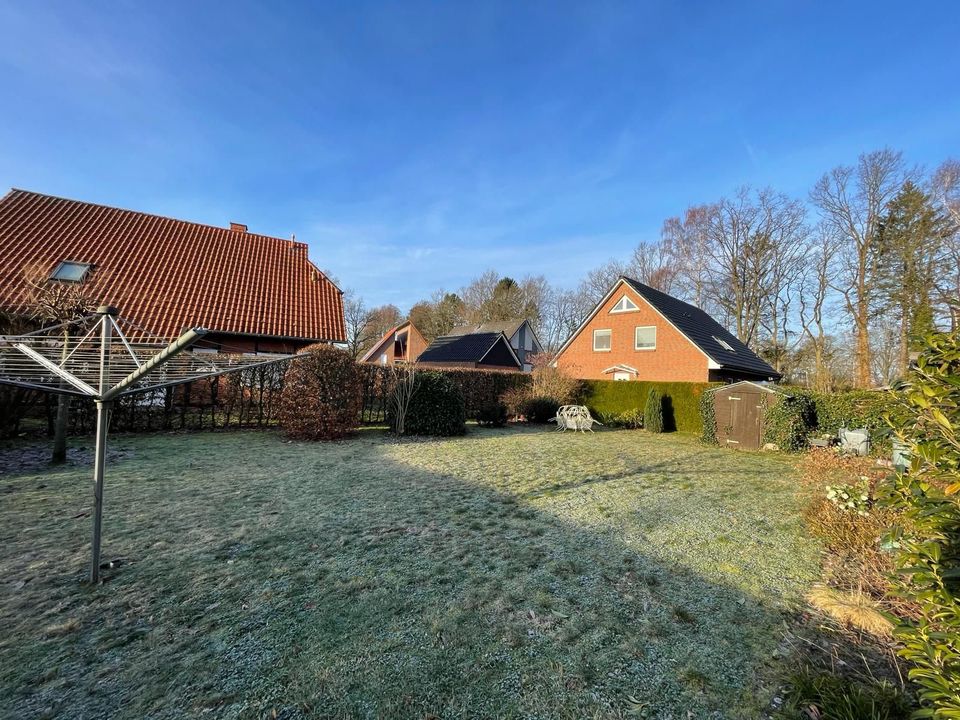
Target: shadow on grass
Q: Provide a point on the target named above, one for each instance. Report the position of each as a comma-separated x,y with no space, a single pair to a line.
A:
346,580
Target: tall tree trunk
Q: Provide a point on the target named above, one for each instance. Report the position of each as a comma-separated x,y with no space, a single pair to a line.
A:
864,361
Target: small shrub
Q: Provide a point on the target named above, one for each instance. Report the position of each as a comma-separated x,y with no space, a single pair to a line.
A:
322,395
789,421
435,408
629,419
492,414
851,498
549,388
540,409
513,400
653,412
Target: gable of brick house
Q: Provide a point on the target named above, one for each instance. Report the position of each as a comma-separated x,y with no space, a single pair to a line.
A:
653,336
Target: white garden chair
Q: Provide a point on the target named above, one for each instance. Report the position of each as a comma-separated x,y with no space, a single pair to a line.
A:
574,417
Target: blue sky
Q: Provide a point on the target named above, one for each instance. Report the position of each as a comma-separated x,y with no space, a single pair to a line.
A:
414,145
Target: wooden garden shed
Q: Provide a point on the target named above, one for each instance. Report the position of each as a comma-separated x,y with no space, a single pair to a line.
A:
741,409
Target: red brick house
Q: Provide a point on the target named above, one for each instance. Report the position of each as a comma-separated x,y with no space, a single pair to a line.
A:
254,293
401,344
638,333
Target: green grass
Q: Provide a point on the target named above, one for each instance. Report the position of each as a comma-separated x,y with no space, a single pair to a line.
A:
508,573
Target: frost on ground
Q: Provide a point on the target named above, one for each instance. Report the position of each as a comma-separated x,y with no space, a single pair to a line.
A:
509,573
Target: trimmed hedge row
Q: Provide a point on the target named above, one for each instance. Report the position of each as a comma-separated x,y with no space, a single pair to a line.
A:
681,401
480,389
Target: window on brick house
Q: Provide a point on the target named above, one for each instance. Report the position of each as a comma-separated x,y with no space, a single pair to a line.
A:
625,304
646,338
601,340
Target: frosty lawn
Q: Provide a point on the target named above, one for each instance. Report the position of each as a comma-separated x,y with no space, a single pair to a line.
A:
509,573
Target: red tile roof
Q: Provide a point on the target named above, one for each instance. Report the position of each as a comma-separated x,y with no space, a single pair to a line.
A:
167,274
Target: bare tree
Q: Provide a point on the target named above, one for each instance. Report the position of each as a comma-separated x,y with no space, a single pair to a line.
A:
945,189
753,240
403,388
53,301
851,202
356,317
687,240
653,263
813,294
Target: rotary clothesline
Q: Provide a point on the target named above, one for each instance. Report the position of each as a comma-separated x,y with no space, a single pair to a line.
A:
104,365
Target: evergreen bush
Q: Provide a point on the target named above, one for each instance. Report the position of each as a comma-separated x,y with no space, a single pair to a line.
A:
653,412
540,409
492,414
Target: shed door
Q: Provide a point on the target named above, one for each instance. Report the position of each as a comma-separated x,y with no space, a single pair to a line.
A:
746,411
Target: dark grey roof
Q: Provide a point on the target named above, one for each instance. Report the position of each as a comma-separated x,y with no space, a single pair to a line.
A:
705,332
461,348
507,327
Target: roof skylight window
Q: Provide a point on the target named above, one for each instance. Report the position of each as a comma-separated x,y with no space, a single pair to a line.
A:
69,271
724,344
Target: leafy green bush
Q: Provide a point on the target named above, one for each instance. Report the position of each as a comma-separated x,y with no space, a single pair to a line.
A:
493,414
789,421
928,542
322,395
436,406
540,409
708,418
653,412
608,398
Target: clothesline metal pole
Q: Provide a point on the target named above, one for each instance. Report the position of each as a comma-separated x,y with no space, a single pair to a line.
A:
103,424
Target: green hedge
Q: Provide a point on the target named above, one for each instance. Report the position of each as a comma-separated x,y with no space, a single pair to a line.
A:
856,409
681,401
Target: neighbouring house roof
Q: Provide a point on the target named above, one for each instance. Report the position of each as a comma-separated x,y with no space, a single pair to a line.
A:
507,327
167,274
387,338
465,348
711,337
762,385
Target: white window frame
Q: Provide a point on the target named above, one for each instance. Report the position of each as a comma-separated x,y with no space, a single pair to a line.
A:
609,332
622,376
616,309
636,345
